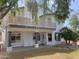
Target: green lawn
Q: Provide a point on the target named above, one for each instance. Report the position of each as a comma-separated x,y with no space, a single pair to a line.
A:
46,53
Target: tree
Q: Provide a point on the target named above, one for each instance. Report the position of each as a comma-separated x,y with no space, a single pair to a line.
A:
66,34
74,37
69,35
62,10
74,23
33,8
61,13
77,35
61,7
6,6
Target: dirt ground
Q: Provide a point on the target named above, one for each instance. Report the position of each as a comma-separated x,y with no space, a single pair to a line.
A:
41,53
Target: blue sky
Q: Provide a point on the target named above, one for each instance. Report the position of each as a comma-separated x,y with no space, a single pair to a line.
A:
75,7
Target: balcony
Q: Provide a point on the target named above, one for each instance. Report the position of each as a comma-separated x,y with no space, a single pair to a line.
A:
28,22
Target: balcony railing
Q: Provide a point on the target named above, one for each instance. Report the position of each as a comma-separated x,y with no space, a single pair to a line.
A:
29,22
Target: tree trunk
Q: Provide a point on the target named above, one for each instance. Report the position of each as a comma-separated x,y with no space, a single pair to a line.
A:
66,41
69,41
75,43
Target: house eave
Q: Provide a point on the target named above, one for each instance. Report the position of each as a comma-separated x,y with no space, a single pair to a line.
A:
31,27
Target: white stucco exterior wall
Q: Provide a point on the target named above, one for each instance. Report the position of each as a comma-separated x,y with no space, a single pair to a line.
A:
5,37
53,42
53,38
26,40
27,37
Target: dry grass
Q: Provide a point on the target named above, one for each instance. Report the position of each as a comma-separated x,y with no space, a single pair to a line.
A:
52,56
42,53
75,54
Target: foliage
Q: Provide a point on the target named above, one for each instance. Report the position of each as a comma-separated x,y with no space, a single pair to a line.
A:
74,22
62,10
77,35
66,33
61,6
74,36
5,6
45,6
33,8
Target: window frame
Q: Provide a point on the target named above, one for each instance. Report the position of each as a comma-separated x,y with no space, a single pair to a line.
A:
15,35
49,37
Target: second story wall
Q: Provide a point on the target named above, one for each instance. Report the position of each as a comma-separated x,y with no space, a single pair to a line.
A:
24,17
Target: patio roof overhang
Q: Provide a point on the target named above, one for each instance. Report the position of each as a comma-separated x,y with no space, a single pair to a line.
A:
30,28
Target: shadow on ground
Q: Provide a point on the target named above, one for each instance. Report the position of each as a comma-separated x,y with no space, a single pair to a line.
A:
37,52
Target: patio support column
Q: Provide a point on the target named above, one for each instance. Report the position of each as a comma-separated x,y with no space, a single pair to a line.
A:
46,34
9,39
42,38
53,38
5,37
6,40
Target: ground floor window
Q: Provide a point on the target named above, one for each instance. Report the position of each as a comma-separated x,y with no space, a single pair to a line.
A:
15,36
58,36
36,36
49,37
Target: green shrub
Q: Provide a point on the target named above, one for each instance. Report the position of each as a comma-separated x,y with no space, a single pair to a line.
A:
68,34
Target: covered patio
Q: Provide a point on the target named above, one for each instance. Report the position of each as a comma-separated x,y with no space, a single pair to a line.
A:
22,35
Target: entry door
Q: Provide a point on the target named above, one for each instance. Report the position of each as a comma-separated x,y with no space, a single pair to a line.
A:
36,37
49,40
42,39
49,37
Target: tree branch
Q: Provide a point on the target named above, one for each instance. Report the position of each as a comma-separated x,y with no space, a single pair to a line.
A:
11,4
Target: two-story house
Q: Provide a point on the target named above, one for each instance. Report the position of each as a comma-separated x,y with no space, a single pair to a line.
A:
20,30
